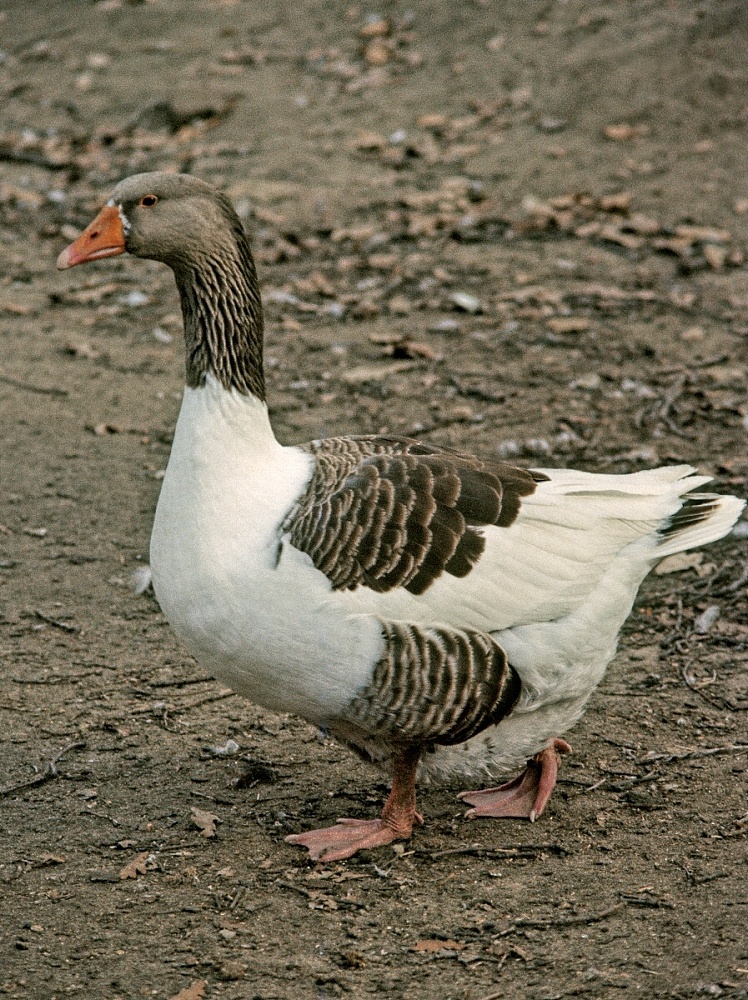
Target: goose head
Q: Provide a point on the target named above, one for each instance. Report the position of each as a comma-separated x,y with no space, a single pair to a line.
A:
193,228
173,218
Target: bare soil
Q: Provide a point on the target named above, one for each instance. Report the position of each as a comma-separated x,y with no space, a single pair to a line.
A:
516,228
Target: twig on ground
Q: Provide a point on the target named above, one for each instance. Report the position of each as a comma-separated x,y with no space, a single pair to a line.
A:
542,924
56,623
213,798
716,359
736,584
49,772
654,904
162,709
629,780
203,701
668,404
318,897
180,682
517,851
668,758
692,686
42,390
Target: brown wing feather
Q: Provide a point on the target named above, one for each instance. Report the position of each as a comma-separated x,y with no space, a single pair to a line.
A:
387,512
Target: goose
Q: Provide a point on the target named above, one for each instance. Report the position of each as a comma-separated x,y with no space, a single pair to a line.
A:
445,616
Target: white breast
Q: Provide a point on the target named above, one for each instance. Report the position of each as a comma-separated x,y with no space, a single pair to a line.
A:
252,610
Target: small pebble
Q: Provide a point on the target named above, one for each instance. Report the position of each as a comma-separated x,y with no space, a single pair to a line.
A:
703,623
445,326
229,747
465,302
134,299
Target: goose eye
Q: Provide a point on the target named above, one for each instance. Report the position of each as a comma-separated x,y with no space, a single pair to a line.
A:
148,199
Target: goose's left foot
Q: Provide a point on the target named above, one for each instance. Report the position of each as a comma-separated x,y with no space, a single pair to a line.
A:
348,836
526,796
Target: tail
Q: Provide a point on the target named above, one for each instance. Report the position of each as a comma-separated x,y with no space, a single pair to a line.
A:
702,518
659,503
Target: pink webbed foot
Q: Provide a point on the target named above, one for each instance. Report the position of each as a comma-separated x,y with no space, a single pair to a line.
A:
526,796
348,836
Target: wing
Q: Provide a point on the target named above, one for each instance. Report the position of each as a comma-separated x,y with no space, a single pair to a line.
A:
387,512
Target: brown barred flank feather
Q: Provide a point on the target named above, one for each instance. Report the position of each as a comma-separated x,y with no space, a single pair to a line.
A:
387,512
434,686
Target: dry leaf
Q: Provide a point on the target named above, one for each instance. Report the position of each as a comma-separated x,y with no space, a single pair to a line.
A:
195,991
377,27
615,235
432,945
619,202
645,225
465,302
230,970
568,324
51,859
138,866
715,256
624,132
375,373
377,53
693,333
81,350
369,142
433,121
205,821
16,309
400,305
702,234
91,293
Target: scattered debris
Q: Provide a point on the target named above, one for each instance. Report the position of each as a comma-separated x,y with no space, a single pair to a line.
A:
435,945
229,748
47,774
205,822
703,622
139,865
465,302
195,991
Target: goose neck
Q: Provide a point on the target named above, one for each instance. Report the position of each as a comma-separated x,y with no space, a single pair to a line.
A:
223,323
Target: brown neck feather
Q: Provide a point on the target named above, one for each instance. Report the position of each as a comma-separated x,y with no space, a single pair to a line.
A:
222,314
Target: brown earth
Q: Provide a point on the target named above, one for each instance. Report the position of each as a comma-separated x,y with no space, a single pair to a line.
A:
518,228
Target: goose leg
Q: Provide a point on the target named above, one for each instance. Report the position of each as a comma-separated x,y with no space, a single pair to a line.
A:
526,796
348,836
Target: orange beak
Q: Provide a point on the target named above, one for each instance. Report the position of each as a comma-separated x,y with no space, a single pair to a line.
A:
104,237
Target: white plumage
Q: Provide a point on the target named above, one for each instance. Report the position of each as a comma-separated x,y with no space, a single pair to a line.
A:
554,588
409,597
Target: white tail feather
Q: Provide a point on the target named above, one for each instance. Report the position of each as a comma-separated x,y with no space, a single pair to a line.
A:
722,514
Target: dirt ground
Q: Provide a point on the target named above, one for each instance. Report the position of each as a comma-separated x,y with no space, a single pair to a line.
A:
517,228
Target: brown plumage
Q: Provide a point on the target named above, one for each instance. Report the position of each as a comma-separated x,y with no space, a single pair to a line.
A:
387,512
432,686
